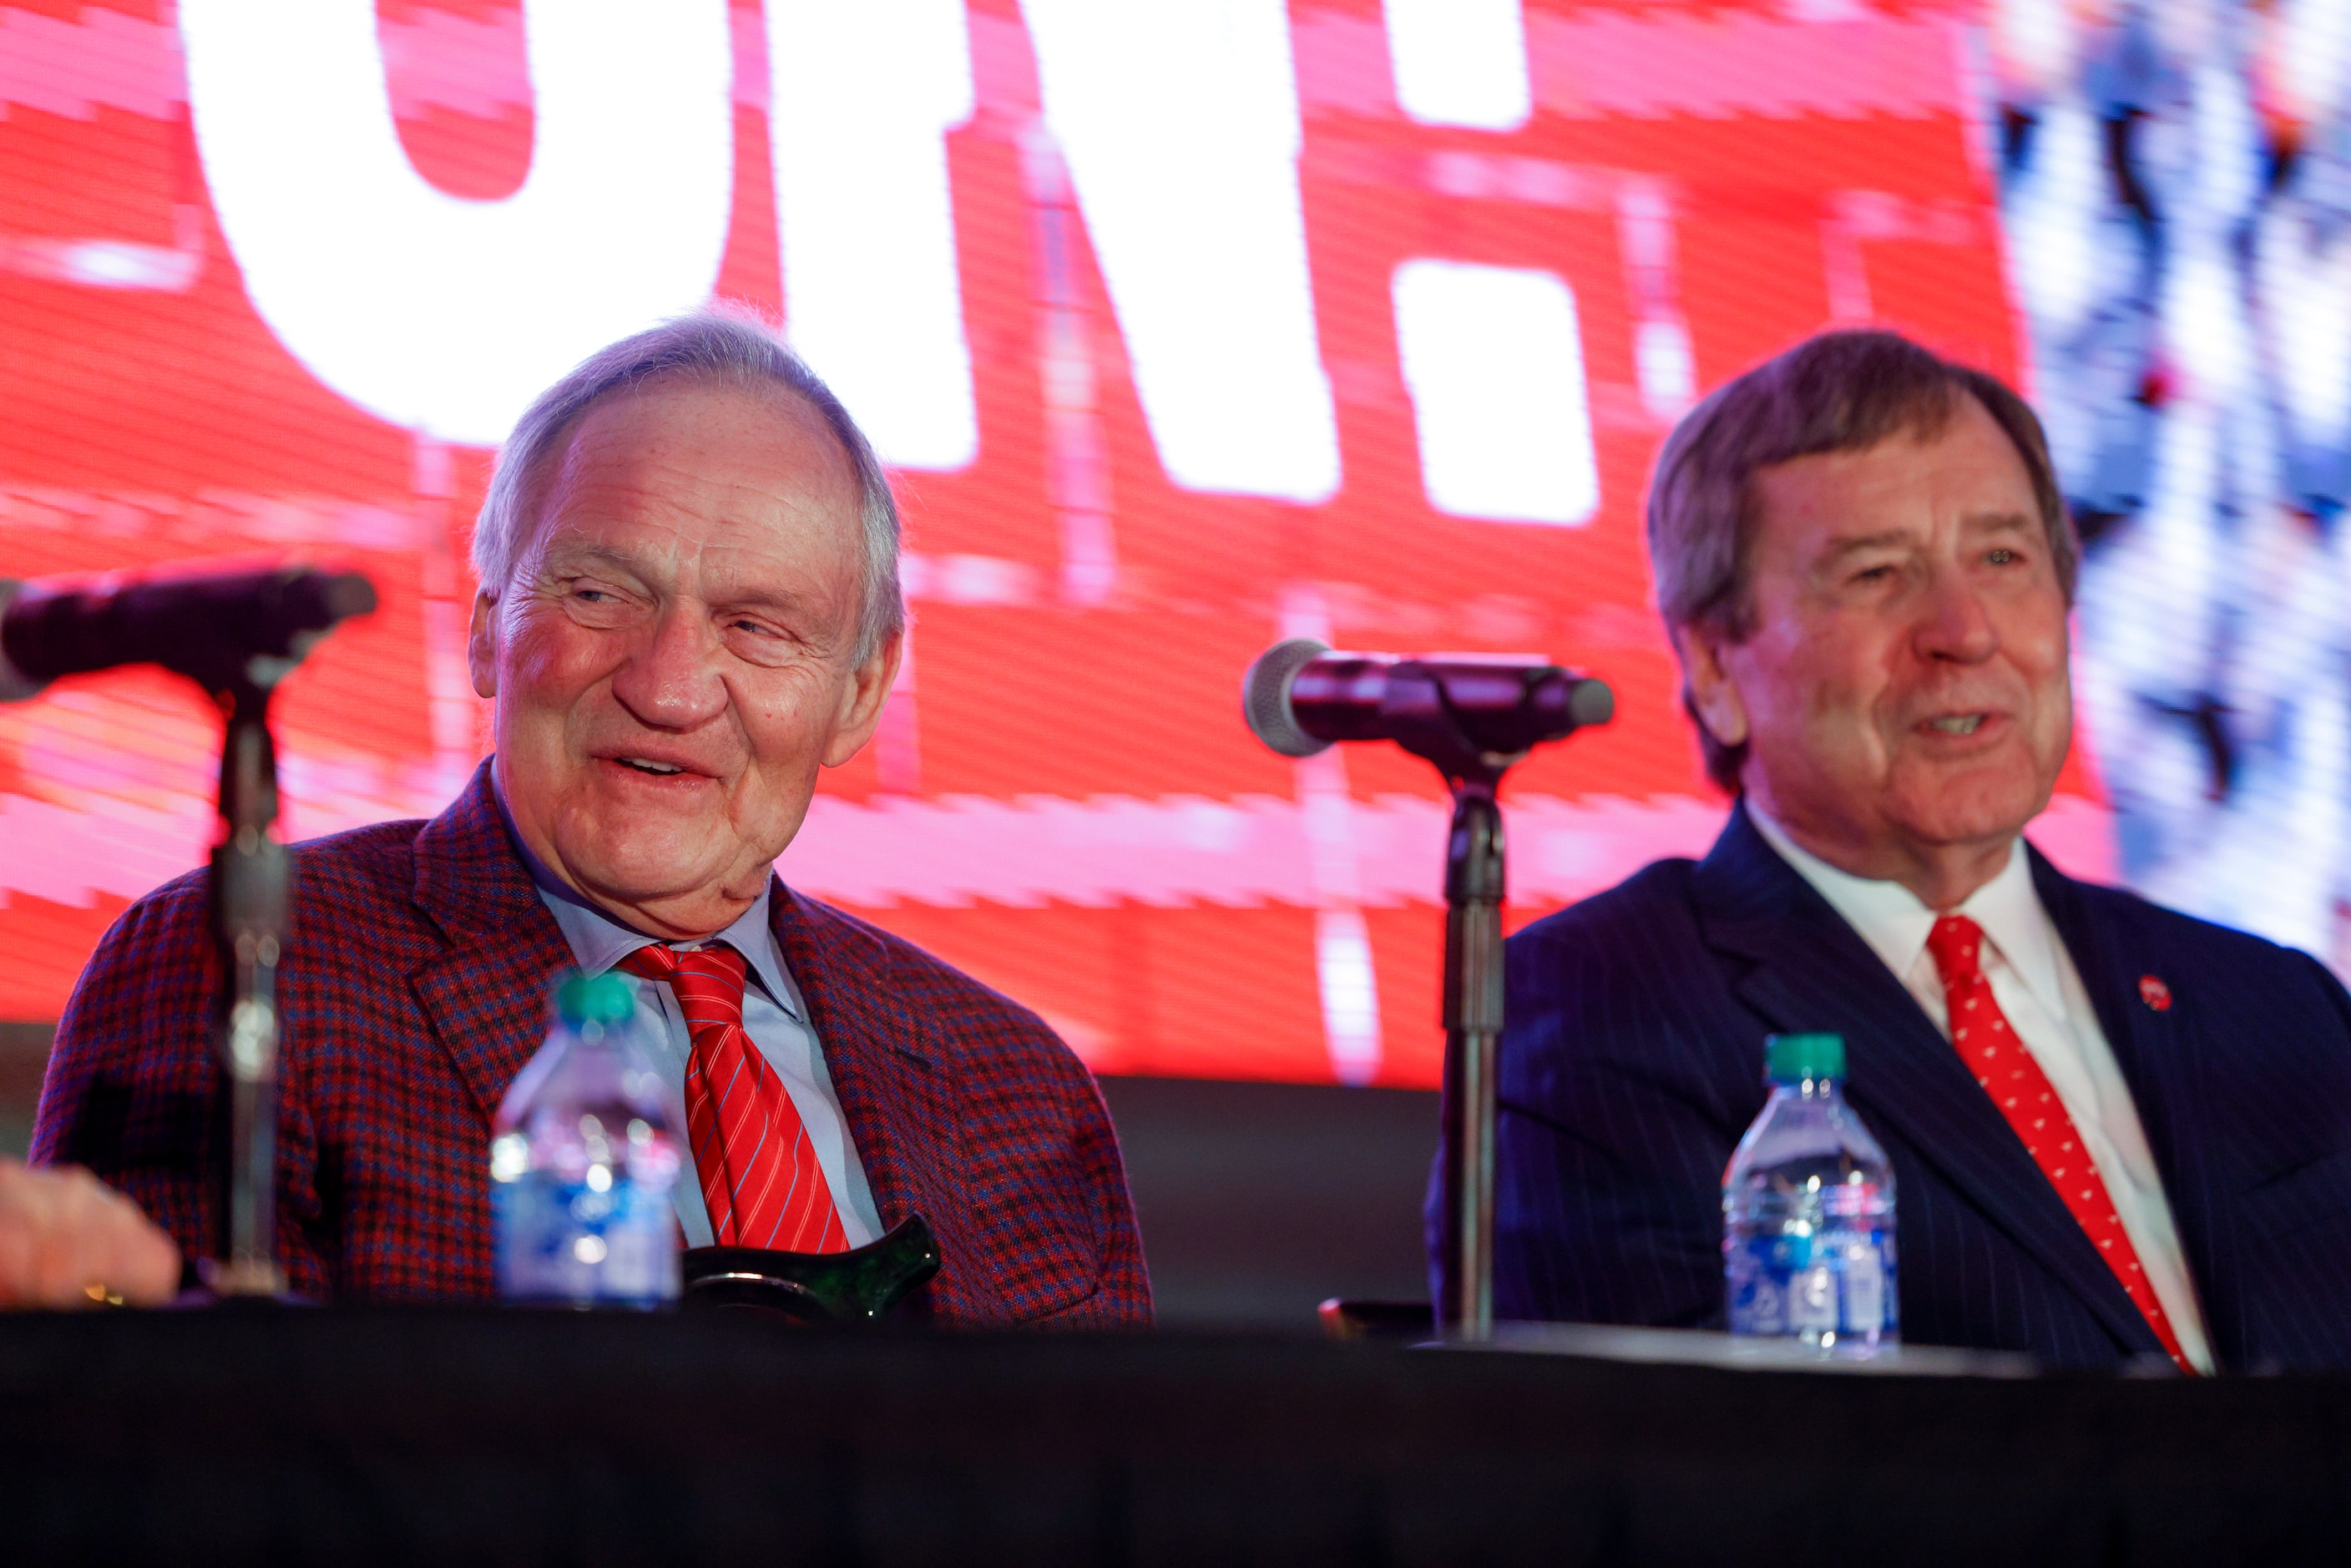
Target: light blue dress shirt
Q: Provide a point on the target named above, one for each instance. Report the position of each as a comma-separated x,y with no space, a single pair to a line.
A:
773,1016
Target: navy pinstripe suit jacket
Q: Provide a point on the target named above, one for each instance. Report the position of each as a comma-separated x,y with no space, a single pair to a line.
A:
1633,1062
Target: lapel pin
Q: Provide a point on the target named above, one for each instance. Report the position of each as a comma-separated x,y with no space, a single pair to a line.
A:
2155,993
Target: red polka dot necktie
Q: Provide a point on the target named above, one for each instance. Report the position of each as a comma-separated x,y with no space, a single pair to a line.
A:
1982,1035
760,1178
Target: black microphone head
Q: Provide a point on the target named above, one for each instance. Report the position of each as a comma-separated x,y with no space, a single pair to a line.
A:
16,685
1265,696
1591,703
314,602
344,594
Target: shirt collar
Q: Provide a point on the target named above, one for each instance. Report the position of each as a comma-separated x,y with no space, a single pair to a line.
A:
1895,921
598,941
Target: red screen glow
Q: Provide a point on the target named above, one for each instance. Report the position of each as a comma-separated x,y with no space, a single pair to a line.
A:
1186,326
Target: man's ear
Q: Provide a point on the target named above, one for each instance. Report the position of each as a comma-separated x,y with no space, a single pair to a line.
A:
862,700
482,645
1713,694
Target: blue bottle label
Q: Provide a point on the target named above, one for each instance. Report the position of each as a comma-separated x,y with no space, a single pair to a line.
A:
565,1241
1840,1282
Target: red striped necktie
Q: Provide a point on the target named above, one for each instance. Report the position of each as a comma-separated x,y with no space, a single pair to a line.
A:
760,1178
1981,1034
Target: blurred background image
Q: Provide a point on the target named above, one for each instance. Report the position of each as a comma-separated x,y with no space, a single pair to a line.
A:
1186,326
2175,189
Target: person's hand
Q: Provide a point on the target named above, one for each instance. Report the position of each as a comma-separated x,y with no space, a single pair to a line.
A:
68,1239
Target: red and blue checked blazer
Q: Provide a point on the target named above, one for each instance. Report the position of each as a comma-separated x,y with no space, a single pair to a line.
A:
415,987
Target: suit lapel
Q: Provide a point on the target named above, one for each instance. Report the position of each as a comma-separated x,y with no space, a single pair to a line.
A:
1812,971
882,1059
2163,1083
486,993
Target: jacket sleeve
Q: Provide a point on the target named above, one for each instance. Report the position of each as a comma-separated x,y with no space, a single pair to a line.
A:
132,1088
1122,1298
1609,1151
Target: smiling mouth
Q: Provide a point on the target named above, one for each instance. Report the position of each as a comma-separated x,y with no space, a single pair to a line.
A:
1958,723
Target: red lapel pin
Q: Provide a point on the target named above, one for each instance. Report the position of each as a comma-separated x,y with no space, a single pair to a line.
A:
2155,993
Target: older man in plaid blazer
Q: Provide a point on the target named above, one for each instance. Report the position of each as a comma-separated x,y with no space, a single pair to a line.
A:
689,604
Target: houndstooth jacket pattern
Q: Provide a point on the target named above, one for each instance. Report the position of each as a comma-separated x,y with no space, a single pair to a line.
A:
415,987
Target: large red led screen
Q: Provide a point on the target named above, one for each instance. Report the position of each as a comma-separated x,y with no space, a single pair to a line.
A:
1186,324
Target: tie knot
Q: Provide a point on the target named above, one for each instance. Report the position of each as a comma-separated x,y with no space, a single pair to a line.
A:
653,962
715,974
1957,944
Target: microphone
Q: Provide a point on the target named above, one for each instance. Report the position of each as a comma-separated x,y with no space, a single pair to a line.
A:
1300,697
1473,715
217,628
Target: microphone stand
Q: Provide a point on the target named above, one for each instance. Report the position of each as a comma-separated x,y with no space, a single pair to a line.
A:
1427,719
1473,1030
237,636
1475,719
250,877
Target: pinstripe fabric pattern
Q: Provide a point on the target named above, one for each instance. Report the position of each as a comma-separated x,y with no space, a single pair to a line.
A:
415,988
760,1179
2007,1072
1633,1060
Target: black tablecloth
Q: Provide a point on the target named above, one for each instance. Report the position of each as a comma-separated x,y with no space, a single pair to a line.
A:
421,1436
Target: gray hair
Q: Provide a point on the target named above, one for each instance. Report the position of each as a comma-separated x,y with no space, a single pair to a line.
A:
709,346
1837,392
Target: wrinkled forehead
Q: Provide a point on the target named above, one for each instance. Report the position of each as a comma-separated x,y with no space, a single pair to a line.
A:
757,466
1963,472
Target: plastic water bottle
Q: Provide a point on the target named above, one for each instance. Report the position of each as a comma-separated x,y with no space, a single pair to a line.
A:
584,1154
1808,1211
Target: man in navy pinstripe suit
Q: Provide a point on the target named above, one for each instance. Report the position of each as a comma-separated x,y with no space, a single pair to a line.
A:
1864,562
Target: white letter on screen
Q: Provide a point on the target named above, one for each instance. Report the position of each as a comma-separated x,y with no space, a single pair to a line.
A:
1351,994
1178,120
863,92
1460,62
430,310
1494,361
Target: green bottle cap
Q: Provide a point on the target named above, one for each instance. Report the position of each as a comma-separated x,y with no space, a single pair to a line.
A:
1793,1058
600,998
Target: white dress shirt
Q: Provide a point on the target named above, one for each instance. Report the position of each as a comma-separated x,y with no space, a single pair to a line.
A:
2034,982
773,1016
